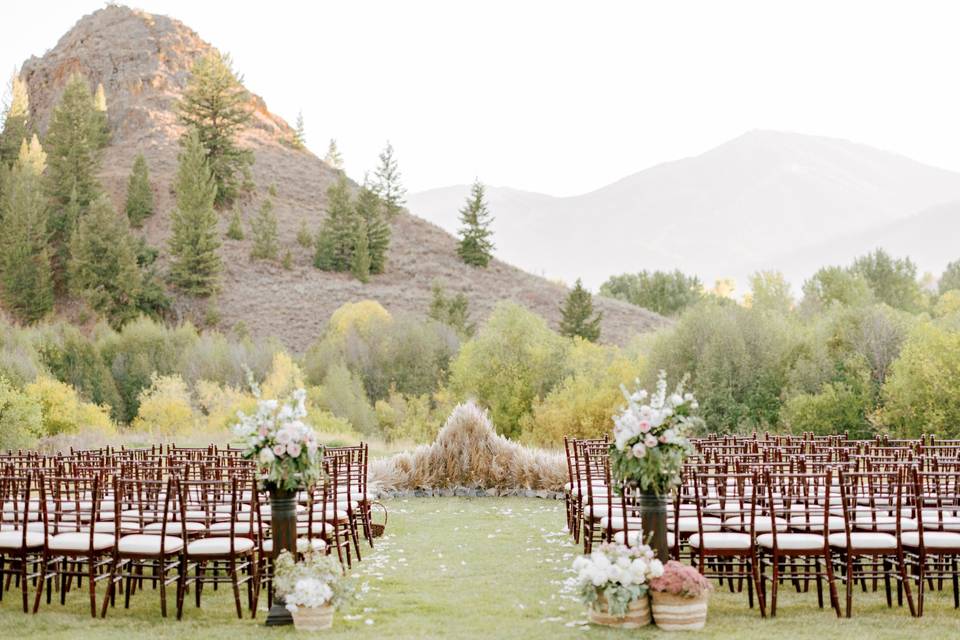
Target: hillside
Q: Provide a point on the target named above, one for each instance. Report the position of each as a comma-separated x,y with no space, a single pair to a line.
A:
726,212
143,61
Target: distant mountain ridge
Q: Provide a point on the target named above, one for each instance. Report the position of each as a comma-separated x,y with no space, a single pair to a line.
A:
144,61
741,206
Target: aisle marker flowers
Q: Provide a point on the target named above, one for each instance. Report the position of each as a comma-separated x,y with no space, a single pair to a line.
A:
615,573
650,440
284,446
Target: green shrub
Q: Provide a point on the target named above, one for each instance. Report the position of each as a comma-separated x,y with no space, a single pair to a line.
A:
838,407
63,412
74,359
19,361
21,420
583,404
342,394
164,408
922,392
738,360
514,360
141,350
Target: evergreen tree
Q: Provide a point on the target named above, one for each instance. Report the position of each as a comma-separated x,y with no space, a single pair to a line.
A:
235,229
100,108
195,264
360,262
387,184
299,135
139,205
333,157
576,315
32,156
25,269
453,312
216,106
153,300
335,241
73,151
370,209
73,161
264,229
16,122
287,261
476,248
103,263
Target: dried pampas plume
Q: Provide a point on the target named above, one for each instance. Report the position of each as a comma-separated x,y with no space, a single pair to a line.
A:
469,453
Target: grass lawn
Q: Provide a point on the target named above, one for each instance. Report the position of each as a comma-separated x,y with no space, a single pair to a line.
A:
476,568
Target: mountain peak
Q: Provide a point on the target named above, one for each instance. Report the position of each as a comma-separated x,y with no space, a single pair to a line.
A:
143,61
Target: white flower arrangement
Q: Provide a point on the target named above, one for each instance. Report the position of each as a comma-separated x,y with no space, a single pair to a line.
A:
314,581
285,447
649,436
618,574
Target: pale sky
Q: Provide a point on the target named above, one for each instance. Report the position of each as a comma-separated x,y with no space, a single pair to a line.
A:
565,97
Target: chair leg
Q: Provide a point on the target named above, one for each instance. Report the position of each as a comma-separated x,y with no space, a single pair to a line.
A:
234,581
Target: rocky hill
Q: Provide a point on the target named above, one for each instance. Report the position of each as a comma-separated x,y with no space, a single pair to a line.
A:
144,61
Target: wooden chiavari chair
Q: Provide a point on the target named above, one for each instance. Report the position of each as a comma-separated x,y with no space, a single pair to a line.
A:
22,505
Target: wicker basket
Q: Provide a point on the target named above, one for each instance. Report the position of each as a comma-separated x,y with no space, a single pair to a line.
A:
677,613
313,618
377,528
638,614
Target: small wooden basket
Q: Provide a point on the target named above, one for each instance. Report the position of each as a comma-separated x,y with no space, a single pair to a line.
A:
377,528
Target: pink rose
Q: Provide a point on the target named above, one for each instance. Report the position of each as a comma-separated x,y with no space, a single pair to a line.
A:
644,426
663,439
650,441
639,450
279,449
293,449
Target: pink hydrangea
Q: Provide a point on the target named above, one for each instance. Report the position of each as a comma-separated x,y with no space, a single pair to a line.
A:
682,580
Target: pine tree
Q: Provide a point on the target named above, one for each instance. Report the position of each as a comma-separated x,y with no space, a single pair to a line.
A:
103,263
195,265
25,270
287,261
387,184
73,153
370,208
139,205
16,122
32,156
334,251
476,248
333,157
73,162
576,315
453,312
299,135
103,123
360,265
235,229
216,106
264,229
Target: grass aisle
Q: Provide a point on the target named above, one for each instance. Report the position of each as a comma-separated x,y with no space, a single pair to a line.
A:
476,568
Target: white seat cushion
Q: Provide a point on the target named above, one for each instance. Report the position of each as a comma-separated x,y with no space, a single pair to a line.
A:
688,524
931,539
869,540
174,528
815,523
110,527
219,546
721,540
80,542
617,522
329,515
14,539
791,541
223,529
149,545
635,538
761,524
933,521
884,523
